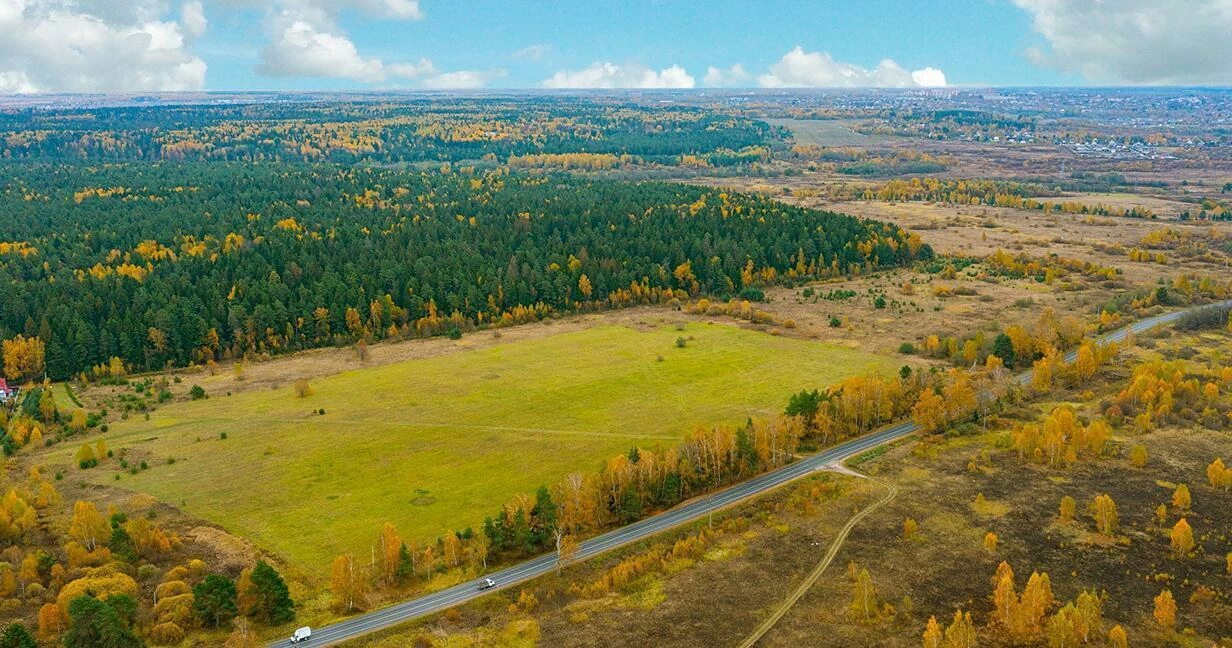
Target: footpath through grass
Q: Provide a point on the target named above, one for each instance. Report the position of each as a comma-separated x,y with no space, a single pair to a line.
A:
438,443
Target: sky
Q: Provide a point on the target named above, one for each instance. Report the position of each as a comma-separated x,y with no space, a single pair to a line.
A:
190,45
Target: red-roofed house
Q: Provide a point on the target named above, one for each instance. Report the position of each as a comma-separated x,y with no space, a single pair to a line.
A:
4,390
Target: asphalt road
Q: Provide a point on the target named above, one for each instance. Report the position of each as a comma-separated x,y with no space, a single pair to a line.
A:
687,512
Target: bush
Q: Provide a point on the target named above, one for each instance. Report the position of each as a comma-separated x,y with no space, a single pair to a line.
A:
455,333
302,388
753,294
906,348
167,634
835,322
197,393
1207,317
680,343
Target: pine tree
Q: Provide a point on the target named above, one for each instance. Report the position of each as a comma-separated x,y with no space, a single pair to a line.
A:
17,636
214,599
97,623
272,601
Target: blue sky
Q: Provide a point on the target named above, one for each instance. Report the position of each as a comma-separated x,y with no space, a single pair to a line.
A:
147,45
974,43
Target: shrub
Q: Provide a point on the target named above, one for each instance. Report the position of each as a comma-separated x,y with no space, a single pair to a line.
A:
1208,317
835,322
753,294
906,348
680,343
197,393
167,634
302,388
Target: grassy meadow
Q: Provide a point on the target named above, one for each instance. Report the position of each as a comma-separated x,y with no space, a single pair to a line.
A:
438,443
825,132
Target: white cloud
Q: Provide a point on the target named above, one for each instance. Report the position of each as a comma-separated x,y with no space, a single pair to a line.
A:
462,79
929,77
534,52
604,75
16,82
94,46
192,16
800,69
301,49
306,41
733,76
421,68
326,11
1134,41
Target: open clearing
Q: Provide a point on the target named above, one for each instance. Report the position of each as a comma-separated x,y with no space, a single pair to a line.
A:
438,443
823,132
763,548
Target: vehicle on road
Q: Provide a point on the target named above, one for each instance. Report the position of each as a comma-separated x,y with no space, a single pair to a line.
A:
486,583
301,635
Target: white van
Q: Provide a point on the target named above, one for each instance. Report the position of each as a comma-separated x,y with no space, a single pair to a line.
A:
301,635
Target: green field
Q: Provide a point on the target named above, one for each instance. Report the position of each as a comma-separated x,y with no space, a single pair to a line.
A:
438,443
825,132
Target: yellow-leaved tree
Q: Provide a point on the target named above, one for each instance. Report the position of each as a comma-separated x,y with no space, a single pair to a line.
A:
1106,520
1182,539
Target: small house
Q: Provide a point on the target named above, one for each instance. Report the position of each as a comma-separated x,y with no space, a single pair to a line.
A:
8,395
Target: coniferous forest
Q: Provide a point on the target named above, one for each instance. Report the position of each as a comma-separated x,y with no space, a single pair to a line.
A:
184,263
172,256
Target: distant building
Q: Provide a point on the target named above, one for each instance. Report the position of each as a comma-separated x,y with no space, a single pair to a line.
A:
8,395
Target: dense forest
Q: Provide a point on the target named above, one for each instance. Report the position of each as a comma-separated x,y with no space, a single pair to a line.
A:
180,263
408,131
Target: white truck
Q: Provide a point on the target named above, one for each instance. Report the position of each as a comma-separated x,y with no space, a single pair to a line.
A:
301,635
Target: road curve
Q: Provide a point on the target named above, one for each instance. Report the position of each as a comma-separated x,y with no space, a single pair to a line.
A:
687,512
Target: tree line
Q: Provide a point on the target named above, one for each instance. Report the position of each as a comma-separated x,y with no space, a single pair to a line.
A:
403,131
170,265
